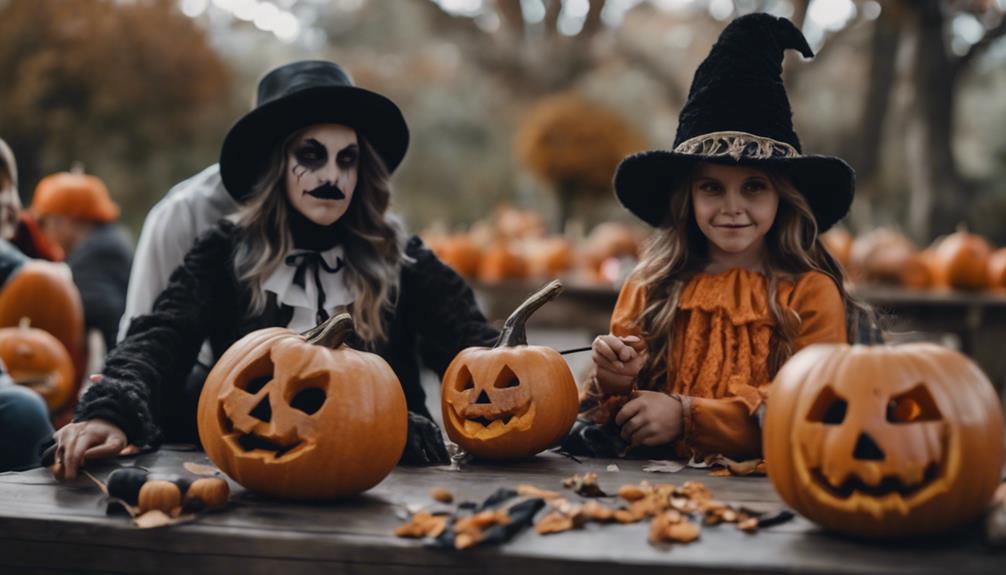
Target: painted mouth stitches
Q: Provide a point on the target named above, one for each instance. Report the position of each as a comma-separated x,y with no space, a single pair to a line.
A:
888,485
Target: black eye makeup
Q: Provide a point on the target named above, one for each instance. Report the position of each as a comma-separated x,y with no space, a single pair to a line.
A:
311,154
348,157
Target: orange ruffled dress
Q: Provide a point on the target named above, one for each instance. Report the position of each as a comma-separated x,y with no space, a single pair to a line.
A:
718,362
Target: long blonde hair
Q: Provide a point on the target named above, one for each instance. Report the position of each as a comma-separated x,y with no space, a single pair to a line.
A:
373,240
679,250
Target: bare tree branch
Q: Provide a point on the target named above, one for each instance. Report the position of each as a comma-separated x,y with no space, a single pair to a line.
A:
654,67
552,10
512,17
962,63
593,23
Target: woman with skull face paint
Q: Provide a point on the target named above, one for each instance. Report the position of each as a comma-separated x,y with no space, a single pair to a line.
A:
312,237
735,280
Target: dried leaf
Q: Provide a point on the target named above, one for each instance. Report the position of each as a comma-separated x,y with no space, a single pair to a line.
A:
584,485
423,524
156,518
467,539
200,469
663,466
684,532
554,522
748,524
596,511
442,495
631,492
528,490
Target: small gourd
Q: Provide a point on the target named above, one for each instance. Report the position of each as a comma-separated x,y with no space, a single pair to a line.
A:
160,495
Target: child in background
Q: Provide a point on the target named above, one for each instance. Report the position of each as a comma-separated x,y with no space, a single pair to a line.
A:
735,280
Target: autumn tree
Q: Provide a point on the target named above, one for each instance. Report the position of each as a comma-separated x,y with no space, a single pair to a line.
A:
109,83
574,145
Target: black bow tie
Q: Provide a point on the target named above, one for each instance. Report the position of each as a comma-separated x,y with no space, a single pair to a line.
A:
313,261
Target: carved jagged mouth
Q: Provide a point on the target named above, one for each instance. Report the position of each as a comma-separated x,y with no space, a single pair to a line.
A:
493,425
890,484
42,383
257,446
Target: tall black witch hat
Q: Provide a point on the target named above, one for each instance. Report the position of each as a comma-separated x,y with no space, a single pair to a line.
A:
738,113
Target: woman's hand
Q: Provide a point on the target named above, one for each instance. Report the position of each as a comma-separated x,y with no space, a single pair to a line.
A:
651,418
84,441
618,362
425,443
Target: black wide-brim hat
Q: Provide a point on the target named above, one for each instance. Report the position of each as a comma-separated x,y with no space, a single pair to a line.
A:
298,95
738,114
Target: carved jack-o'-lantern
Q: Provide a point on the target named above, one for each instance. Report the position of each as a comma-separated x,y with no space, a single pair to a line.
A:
298,416
36,359
884,441
512,400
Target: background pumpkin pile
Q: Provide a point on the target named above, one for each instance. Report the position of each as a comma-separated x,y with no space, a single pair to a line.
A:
513,244
961,260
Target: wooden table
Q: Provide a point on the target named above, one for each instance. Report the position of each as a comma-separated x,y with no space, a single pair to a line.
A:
48,527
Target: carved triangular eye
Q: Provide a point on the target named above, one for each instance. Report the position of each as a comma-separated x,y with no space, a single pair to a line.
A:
310,395
464,380
506,378
829,408
914,406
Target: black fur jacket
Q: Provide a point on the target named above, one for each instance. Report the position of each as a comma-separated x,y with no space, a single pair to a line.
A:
146,389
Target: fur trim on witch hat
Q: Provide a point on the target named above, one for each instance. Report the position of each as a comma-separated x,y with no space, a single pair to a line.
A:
298,95
738,113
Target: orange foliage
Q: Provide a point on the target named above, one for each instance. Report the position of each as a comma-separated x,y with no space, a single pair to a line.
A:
573,143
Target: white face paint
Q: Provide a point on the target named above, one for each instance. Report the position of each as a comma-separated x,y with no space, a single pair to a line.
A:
322,170
10,206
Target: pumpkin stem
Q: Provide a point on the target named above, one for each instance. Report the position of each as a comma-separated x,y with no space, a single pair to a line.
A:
332,332
513,333
25,323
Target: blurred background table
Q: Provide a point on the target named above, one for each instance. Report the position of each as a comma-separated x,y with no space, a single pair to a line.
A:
974,323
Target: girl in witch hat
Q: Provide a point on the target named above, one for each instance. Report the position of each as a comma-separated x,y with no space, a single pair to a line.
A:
310,168
735,279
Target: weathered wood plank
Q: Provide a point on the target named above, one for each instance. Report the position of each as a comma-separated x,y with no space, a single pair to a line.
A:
47,526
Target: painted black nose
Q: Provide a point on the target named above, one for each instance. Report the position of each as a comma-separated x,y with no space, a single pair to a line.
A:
867,448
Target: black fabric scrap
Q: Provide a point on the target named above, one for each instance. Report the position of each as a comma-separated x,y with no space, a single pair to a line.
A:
521,516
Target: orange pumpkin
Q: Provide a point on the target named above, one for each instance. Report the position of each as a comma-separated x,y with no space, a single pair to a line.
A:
883,256
76,195
610,240
838,242
459,252
500,262
962,261
207,493
303,416
160,495
512,400
997,269
886,441
548,257
44,293
36,359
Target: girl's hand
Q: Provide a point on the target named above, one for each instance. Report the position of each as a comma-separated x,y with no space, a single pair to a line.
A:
84,441
651,418
618,362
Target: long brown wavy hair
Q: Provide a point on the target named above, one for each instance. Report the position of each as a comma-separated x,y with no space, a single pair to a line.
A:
679,250
373,239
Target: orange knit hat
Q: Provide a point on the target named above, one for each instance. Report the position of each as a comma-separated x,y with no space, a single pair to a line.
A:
76,195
